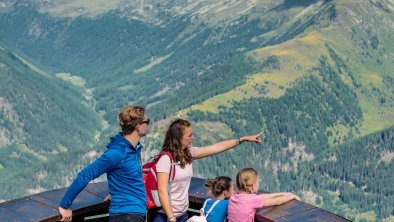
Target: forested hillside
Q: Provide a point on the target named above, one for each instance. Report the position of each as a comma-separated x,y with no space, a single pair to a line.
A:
317,76
343,171
43,121
296,154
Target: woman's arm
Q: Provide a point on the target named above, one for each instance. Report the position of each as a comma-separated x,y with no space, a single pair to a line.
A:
225,145
279,200
162,186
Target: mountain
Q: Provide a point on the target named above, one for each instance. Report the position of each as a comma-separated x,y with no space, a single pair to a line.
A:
39,124
316,76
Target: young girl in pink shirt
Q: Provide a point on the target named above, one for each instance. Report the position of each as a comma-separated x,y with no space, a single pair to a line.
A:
243,205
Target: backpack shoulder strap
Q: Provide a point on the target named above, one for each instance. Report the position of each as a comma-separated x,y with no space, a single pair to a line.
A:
210,209
205,202
172,162
172,170
203,206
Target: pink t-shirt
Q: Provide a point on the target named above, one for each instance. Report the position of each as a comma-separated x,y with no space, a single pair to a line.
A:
242,207
180,185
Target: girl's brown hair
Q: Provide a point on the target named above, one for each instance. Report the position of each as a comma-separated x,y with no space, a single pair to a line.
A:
219,185
172,142
245,179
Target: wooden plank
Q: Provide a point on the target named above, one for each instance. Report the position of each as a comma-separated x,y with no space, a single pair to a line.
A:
24,209
52,198
313,215
290,208
84,203
99,189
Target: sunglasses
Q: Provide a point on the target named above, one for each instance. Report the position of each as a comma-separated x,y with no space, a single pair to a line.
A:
145,121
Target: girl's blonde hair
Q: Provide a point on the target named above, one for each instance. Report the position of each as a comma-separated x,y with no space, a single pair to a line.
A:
245,179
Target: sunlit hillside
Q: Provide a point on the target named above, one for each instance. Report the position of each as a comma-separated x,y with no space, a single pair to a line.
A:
363,69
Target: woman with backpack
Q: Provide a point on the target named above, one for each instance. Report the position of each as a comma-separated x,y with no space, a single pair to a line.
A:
173,194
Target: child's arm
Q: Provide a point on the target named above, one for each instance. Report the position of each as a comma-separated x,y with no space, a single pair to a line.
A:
273,195
278,200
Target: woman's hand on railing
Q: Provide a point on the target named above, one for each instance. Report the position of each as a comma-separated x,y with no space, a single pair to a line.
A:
67,214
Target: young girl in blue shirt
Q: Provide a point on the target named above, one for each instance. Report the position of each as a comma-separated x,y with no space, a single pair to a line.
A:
221,189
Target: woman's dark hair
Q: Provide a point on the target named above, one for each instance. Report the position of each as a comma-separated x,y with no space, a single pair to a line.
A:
172,142
219,185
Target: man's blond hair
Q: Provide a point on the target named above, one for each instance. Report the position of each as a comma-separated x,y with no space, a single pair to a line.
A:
129,117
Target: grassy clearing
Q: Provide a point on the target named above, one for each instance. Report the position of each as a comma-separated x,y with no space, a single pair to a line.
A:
375,117
296,57
339,133
274,84
368,216
32,66
212,132
75,80
82,7
369,74
153,63
126,88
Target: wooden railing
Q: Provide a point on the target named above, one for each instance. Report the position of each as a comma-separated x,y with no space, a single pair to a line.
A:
89,206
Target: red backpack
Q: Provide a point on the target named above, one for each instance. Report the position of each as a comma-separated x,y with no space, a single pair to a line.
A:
149,176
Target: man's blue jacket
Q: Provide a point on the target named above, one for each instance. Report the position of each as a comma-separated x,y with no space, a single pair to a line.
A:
122,163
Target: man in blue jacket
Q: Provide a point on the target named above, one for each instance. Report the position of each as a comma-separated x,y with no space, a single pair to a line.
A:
122,163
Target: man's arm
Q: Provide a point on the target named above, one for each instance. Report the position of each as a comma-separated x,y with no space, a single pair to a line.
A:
107,161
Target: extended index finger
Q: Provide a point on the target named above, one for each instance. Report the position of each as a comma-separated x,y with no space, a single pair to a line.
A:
261,133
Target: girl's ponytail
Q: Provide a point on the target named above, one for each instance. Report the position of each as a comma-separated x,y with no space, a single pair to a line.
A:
219,185
210,182
245,179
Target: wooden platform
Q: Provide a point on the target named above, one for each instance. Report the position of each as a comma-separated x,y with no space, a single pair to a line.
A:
43,206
